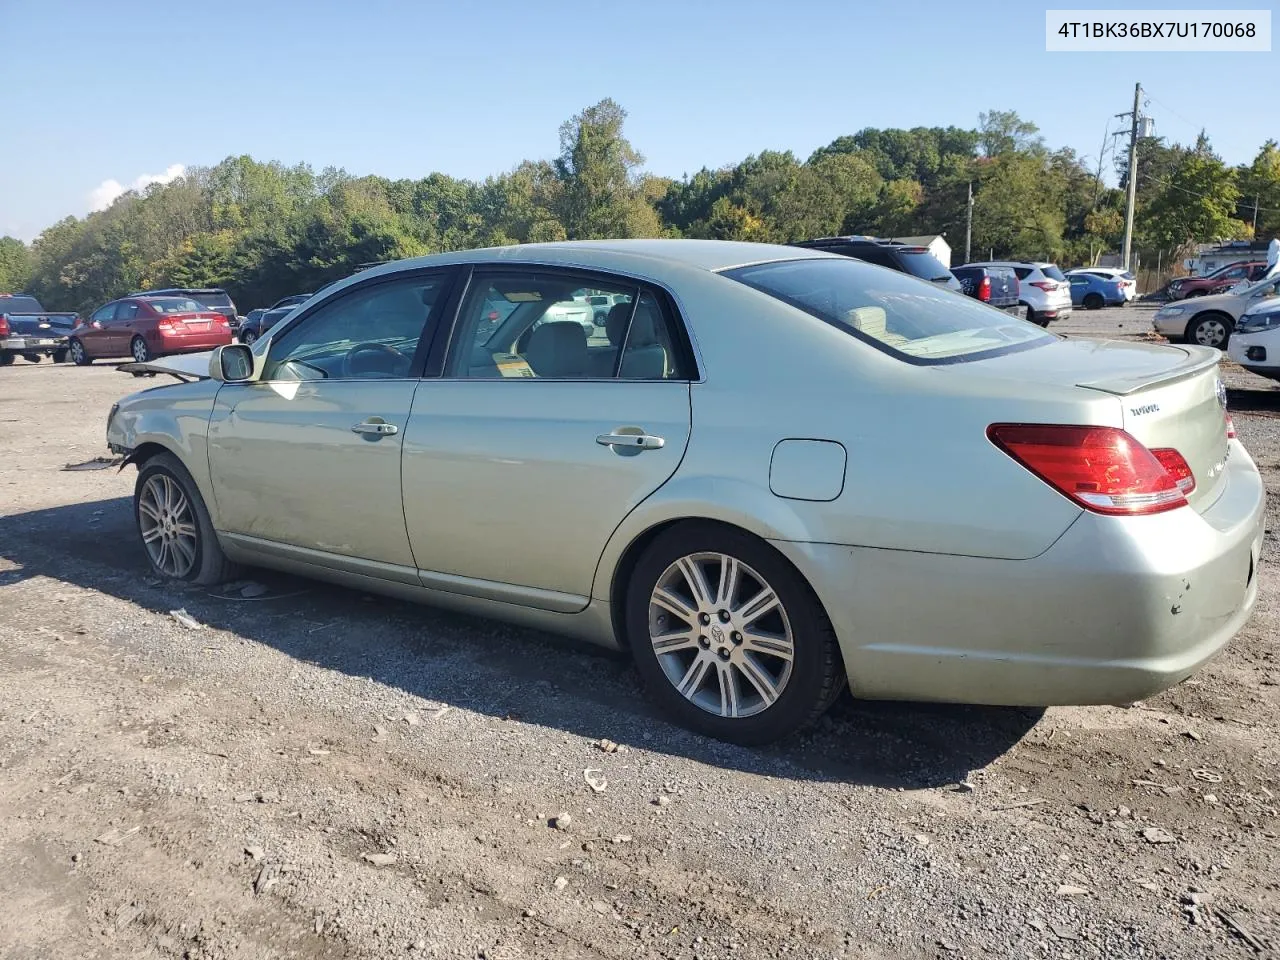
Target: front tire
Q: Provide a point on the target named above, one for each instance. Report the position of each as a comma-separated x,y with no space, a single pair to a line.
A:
6,359
1210,330
79,356
248,338
32,357
139,350
174,524
727,636
60,356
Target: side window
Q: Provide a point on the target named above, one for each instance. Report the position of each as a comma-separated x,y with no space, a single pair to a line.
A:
1022,272
652,351
554,326
371,333
103,314
126,312
538,324
1235,274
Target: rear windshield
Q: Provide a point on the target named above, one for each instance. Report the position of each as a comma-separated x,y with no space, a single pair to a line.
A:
20,305
174,305
214,299
923,264
897,314
1053,273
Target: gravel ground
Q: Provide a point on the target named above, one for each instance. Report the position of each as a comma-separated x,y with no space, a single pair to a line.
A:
315,773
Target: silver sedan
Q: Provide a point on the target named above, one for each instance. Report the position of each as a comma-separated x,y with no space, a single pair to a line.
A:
773,472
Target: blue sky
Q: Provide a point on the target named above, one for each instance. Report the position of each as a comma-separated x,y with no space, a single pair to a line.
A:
96,92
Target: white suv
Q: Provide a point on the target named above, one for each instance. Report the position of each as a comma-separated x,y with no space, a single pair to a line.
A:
1043,289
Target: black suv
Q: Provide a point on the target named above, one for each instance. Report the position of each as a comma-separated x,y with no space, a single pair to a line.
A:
215,298
894,254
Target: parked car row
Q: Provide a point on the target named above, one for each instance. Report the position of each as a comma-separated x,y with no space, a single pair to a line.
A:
1211,320
1219,281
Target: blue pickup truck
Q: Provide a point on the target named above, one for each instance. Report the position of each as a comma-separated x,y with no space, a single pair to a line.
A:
30,331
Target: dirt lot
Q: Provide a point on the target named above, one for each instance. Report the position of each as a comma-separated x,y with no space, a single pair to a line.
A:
316,774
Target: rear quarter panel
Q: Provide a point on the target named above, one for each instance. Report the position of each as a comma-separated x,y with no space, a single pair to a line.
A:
920,472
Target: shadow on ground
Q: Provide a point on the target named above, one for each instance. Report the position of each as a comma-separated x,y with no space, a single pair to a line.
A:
499,670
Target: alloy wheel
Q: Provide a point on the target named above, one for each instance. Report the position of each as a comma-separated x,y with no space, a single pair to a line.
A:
721,635
168,526
77,352
140,352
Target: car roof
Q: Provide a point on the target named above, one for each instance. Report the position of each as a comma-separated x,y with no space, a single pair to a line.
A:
622,255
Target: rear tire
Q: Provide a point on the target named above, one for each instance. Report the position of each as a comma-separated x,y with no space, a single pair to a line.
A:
139,350
749,677
159,513
1093,301
79,356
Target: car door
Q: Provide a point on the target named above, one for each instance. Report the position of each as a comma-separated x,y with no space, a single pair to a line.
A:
536,440
95,335
305,461
120,330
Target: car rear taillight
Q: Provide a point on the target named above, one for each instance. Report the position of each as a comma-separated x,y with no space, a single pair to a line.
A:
1176,466
1048,286
4,325
169,325
984,290
1231,429
1103,469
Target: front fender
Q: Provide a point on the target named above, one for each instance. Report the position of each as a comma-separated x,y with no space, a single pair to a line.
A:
735,502
175,418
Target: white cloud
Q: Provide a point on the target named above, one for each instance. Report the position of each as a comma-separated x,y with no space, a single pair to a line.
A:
105,193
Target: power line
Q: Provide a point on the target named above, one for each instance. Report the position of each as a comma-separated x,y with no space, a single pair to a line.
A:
1201,196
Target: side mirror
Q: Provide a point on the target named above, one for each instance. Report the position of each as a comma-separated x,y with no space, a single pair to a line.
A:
232,363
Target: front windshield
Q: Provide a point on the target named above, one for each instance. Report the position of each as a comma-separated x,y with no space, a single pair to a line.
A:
908,318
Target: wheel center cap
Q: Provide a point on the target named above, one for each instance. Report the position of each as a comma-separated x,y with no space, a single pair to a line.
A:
717,634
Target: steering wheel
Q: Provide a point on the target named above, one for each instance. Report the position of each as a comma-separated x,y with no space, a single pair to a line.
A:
380,350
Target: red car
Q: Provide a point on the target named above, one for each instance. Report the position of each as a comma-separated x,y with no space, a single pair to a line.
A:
1218,281
146,327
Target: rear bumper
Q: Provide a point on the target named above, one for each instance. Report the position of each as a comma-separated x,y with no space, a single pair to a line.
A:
33,344
192,343
1116,610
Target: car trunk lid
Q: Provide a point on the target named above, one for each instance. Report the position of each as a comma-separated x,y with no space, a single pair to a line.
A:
1170,397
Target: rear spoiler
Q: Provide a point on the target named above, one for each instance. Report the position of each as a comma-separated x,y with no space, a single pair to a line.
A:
1198,360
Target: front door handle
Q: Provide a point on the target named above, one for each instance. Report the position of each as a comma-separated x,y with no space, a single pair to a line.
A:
375,428
633,441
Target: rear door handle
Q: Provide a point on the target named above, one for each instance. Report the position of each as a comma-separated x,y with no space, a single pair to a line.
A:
375,428
634,441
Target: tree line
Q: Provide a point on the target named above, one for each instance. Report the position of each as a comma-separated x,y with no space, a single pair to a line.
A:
265,230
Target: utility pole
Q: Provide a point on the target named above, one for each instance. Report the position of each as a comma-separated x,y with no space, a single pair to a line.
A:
1255,218
1134,118
968,222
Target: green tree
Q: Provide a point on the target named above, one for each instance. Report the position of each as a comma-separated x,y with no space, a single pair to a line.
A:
16,265
597,169
1260,192
1198,202
1003,131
